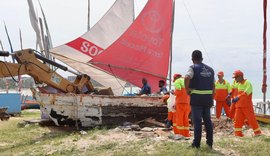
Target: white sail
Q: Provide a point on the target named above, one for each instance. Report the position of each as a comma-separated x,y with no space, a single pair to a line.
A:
108,29
34,23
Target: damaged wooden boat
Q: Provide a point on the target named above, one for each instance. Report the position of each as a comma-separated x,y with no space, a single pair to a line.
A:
142,50
92,110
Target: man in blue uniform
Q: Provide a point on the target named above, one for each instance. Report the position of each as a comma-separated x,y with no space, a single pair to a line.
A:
146,89
162,87
199,83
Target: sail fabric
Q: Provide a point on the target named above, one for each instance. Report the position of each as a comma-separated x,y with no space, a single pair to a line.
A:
143,50
108,29
34,23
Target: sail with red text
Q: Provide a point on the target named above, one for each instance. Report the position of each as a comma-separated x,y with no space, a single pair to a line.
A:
107,30
143,51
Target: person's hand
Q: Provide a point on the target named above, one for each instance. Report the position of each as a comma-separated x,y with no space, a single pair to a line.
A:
234,100
228,96
168,123
188,90
229,102
173,106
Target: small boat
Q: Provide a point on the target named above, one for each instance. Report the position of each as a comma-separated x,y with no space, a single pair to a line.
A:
93,110
263,118
143,50
29,103
260,112
11,101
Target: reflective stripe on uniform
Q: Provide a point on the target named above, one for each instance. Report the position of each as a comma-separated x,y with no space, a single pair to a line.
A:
237,129
186,128
258,129
180,127
201,91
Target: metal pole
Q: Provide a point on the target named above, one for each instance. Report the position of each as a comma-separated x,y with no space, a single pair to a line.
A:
264,85
170,66
88,16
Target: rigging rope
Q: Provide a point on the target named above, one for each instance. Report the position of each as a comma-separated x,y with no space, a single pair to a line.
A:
117,79
198,34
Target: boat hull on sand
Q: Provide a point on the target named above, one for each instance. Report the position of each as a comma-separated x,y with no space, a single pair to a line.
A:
92,110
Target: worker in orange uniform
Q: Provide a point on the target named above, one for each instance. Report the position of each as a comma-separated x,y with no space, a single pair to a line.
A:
171,113
222,90
244,106
182,106
232,94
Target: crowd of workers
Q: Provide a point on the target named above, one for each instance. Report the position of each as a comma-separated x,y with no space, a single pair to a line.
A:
195,94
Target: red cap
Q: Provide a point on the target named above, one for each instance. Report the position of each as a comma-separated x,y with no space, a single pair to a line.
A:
220,73
175,76
237,73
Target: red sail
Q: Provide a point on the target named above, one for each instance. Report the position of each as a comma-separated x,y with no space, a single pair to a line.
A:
143,50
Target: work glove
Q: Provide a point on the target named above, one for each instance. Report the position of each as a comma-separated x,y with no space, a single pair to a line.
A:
229,102
234,100
168,123
228,96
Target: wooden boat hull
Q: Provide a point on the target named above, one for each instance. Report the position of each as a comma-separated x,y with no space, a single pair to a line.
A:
92,110
263,118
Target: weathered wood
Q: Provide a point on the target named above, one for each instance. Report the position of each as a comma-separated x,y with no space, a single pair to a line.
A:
153,121
138,122
92,110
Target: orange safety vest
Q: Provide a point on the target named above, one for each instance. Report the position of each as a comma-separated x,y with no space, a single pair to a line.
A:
244,94
222,90
234,90
180,91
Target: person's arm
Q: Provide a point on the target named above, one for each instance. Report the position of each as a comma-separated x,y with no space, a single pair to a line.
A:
188,77
148,90
187,82
214,90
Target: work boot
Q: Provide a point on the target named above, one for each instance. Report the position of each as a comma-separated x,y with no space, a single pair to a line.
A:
176,137
258,133
193,146
210,146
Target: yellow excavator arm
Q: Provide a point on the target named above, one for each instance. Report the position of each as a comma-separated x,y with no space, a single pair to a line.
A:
34,65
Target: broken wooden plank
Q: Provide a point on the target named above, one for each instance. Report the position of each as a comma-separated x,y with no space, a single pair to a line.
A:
153,121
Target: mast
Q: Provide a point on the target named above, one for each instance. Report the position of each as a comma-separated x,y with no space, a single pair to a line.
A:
170,64
19,76
264,85
88,16
133,10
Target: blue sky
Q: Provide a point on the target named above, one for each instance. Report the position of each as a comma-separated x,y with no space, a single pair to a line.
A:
228,32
